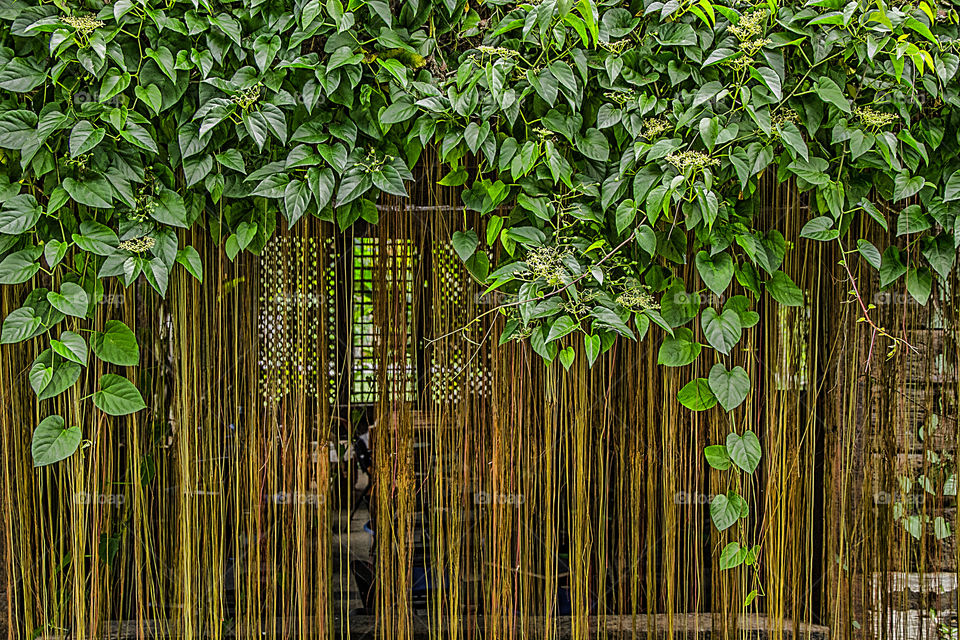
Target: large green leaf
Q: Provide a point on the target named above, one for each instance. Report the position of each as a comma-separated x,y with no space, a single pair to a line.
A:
782,289
84,137
744,450
725,510
51,375
722,330
696,395
679,349
715,271
19,325
53,441
72,300
20,266
19,214
730,387
116,344
117,396
71,346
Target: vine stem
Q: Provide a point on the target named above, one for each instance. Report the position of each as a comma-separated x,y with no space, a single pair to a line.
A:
549,295
866,314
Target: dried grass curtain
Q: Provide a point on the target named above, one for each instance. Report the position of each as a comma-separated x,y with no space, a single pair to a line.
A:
531,502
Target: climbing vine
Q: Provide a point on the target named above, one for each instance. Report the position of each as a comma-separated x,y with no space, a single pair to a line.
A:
601,142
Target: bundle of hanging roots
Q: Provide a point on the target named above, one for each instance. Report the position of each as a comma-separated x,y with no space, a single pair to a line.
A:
337,446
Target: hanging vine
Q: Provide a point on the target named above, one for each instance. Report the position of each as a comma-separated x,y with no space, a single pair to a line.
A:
604,144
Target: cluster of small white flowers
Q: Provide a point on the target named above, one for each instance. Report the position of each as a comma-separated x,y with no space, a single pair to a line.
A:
138,245
687,159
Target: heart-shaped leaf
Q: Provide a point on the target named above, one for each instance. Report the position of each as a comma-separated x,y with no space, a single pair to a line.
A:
116,344
715,271
71,346
72,300
51,375
117,396
730,387
744,450
53,442
721,329
696,395
725,510
465,243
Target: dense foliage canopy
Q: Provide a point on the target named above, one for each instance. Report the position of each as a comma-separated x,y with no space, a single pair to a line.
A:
601,142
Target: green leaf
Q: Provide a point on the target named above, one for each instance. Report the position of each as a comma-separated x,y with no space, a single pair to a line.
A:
53,441
567,355
92,193
190,259
679,350
398,112
246,232
20,266
784,291
905,186
725,510
732,556
716,271
465,243
117,396
84,137
232,159
741,304
170,209
561,327
151,96
939,252
296,198
21,324
114,83
744,450
19,214
592,345
870,253
72,300
891,268
919,284
116,344
717,457
696,395
679,307
820,229
96,238
594,145
828,91
625,215
722,330
951,190
770,79
51,375
71,346
730,387
912,220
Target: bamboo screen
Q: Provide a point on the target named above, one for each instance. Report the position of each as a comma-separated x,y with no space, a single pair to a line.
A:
505,499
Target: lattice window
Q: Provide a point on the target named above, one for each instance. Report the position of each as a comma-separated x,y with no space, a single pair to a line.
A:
289,323
365,335
462,369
